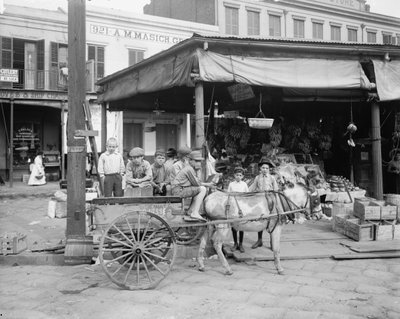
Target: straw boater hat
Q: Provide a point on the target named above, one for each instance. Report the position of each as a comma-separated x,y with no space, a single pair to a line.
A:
136,151
266,161
196,156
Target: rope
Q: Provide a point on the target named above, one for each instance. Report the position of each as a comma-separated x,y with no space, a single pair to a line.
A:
211,108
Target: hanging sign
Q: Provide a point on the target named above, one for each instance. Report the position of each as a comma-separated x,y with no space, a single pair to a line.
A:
9,75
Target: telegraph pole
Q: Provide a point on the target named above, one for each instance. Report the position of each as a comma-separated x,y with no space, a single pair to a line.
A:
79,247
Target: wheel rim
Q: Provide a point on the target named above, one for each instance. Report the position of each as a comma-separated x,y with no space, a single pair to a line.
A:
137,250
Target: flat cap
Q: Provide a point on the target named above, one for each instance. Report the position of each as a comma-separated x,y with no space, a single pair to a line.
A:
196,156
184,150
136,151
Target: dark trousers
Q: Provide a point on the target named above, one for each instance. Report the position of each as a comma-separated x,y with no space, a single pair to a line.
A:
113,184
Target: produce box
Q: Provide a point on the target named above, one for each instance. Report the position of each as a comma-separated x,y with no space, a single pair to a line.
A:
339,222
13,243
342,209
367,209
359,230
387,230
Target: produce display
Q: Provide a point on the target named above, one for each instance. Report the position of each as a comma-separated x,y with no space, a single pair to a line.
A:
341,184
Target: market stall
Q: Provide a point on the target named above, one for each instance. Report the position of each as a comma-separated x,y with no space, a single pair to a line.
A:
307,88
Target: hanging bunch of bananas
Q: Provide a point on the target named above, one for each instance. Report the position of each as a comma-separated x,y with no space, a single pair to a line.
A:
245,137
304,145
325,142
235,131
275,136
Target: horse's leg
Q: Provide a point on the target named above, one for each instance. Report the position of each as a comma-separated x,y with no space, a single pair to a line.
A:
219,237
275,245
202,246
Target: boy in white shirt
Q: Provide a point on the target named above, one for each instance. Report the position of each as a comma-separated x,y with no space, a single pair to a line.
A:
238,185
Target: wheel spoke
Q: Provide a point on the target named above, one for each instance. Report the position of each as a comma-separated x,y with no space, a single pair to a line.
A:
145,230
118,241
154,265
156,256
147,269
138,228
130,229
153,242
157,248
117,249
137,269
118,258
119,268
123,234
128,272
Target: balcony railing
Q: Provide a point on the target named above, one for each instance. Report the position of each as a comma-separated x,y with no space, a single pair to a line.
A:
55,80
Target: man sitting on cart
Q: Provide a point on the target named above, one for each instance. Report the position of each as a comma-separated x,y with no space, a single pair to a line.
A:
187,184
138,174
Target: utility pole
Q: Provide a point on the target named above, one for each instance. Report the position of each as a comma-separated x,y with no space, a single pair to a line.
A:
79,247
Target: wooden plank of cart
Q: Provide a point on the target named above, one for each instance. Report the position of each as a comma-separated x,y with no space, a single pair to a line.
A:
139,236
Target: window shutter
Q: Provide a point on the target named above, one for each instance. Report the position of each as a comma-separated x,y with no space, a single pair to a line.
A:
40,64
6,57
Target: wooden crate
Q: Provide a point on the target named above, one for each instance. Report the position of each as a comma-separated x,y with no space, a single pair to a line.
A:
359,230
13,243
387,230
365,209
389,212
342,209
338,223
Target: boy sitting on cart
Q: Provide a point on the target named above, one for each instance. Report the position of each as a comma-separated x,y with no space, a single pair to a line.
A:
138,174
187,184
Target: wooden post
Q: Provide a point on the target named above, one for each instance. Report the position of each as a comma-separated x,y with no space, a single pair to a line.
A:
376,151
104,129
79,248
11,143
199,95
62,142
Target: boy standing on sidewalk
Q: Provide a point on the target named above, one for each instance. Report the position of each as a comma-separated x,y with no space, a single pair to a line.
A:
111,169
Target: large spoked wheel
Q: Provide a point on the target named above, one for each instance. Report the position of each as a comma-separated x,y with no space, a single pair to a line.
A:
137,250
188,235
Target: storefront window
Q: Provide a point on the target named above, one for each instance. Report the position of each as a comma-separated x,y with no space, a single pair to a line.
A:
26,142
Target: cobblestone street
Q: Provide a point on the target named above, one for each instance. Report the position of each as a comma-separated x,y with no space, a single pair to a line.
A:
310,289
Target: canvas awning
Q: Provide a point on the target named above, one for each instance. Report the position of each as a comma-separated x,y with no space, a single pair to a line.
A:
387,79
176,71
282,72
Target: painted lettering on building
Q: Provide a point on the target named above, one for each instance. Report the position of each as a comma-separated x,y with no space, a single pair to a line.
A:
132,34
352,4
33,95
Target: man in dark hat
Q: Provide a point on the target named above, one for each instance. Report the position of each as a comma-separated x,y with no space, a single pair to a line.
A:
171,158
183,155
187,184
263,182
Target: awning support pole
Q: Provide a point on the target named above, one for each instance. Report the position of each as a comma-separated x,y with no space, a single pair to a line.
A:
199,95
11,143
376,151
62,155
104,128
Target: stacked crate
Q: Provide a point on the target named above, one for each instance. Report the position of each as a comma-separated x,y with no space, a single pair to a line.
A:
374,220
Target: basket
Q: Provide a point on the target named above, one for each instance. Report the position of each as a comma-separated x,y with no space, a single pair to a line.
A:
260,123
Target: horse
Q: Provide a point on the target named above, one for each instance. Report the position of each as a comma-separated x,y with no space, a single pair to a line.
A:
221,205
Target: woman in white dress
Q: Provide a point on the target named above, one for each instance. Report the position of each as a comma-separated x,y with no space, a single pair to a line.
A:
37,176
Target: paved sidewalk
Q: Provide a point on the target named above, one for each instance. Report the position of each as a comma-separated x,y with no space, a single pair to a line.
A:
20,190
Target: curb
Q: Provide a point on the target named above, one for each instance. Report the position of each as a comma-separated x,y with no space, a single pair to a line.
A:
26,195
33,259
46,259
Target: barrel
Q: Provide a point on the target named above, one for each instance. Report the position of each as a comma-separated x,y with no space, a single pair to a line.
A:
78,250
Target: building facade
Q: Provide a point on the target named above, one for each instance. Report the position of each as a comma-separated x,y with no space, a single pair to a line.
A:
34,81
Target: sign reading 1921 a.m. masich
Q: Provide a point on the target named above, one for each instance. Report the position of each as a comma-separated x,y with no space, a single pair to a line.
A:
33,95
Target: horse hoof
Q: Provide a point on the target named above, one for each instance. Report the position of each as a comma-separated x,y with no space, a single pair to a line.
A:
281,272
202,269
228,273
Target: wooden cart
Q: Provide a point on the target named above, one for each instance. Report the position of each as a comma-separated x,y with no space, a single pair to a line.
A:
139,236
